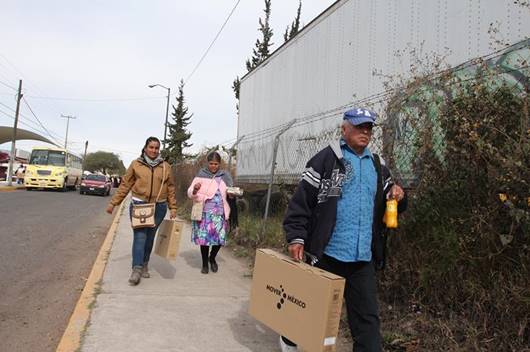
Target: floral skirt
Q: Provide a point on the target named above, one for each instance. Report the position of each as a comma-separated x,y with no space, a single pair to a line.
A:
210,231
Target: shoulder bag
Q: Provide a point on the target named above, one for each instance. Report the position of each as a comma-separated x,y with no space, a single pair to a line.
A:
143,214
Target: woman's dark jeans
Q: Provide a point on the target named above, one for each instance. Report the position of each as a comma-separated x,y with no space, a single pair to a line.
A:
144,237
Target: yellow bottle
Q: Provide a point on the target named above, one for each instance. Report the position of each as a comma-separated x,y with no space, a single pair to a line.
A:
391,214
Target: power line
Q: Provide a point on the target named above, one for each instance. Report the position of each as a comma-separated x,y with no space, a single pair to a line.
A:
28,82
29,120
7,85
7,106
21,122
212,43
7,114
13,117
40,123
94,100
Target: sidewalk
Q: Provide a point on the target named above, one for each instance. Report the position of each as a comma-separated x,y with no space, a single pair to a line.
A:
4,187
178,308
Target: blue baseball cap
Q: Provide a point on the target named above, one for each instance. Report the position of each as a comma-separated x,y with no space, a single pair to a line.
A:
357,116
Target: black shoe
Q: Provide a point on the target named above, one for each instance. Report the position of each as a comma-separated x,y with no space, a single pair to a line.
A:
204,269
214,266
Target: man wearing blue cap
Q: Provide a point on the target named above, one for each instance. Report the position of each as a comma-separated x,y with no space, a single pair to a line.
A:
336,214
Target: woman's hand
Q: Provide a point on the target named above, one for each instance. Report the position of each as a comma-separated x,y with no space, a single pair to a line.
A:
110,208
196,187
172,213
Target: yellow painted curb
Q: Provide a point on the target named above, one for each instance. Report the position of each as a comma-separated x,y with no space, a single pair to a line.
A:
71,339
10,189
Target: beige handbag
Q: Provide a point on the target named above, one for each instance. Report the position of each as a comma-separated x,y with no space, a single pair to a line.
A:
143,215
196,211
198,207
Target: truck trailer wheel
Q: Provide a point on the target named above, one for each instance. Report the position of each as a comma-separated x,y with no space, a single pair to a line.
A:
242,205
277,204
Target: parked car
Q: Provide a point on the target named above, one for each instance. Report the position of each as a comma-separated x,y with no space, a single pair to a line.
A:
95,184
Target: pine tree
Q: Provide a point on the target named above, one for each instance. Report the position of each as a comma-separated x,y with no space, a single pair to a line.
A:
294,28
178,135
235,87
261,50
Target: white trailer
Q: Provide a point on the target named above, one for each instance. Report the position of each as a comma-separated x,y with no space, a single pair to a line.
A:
331,65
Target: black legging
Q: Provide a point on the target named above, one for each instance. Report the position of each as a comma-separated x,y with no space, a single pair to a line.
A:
213,254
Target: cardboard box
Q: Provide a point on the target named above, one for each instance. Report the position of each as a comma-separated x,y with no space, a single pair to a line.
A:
298,301
168,239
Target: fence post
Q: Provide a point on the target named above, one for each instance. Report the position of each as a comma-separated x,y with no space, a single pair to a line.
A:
273,166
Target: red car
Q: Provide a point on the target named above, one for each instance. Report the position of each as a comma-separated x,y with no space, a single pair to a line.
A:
95,184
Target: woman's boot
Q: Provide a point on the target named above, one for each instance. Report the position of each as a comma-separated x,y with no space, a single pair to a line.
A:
213,254
213,265
135,276
145,271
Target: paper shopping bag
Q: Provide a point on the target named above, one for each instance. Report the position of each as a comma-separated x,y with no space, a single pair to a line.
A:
168,239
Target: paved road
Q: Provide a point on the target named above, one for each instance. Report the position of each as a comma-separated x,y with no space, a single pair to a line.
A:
49,241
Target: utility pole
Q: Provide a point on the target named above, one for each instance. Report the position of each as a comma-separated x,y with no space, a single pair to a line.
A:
84,157
67,117
13,149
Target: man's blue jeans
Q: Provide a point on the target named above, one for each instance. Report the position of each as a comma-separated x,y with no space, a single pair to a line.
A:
144,237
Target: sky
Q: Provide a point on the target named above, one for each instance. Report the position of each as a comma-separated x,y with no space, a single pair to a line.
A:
95,59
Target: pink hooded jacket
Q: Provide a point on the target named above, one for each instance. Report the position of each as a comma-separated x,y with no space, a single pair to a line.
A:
208,190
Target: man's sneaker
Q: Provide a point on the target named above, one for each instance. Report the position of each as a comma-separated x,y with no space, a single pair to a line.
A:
145,271
285,347
135,276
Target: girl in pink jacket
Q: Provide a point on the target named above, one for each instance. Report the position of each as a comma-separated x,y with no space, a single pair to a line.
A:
209,187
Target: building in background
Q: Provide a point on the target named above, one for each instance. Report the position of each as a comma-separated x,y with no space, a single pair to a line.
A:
21,158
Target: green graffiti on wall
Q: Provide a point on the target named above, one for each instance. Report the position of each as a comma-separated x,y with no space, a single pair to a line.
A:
420,109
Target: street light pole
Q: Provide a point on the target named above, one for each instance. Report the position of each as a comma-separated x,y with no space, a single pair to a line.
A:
167,111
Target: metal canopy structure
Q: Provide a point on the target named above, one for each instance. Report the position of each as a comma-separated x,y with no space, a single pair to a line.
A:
6,134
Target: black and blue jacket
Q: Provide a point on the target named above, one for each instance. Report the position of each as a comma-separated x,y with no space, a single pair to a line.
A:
311,213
